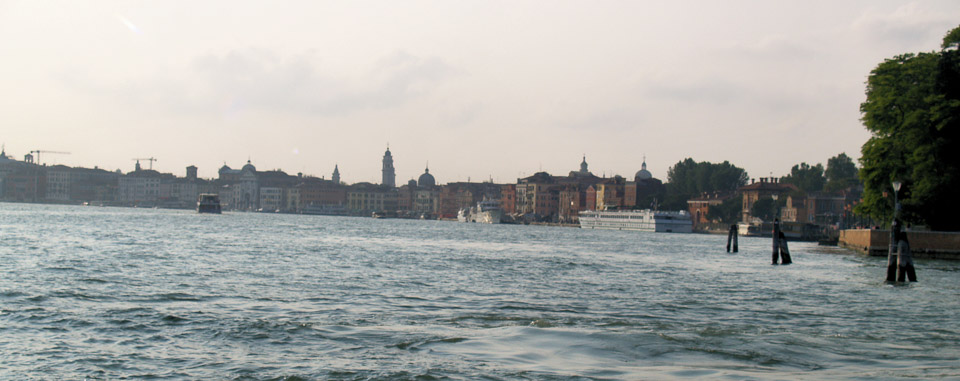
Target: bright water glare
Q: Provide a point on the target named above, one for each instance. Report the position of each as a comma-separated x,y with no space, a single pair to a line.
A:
107,293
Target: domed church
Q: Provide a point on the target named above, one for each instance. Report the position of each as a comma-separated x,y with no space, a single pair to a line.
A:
426,179
650,191
643,173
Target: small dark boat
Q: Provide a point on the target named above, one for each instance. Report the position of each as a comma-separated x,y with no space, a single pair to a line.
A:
208,203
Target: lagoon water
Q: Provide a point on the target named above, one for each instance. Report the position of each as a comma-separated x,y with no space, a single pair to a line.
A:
108,293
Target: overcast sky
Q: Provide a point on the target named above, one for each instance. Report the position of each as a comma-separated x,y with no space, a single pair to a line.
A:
478,89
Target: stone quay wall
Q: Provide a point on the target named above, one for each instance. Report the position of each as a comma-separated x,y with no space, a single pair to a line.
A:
923,244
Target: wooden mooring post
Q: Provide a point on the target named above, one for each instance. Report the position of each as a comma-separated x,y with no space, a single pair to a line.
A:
899,258
781,253
732,238
891,252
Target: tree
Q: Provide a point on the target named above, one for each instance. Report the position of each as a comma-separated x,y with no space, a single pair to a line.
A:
689,178
808,179
727,212
764,209
841,172
912,111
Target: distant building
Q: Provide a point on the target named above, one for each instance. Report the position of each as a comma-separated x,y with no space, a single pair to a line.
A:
766,187
25,183
830,208
239,188
537,196
94,186
366,198
3,155
649,188
389,174
336,174
556,198
140,187
616,194
271,199
508,198
459,195
58,183
405,195
583,169
426,195
426,180
699,207
324,194
276,184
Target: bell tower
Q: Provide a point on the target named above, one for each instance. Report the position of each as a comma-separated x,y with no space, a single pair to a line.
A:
389,174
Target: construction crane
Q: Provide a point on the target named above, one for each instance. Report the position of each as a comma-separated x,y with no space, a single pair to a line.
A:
38,152
150,159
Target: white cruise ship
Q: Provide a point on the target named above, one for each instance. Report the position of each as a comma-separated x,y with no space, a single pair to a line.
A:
642,220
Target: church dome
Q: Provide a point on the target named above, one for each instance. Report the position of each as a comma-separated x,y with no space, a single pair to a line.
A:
249,167
426,179
643,173
224,169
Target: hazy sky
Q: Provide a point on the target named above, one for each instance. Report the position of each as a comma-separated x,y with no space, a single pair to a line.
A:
478,89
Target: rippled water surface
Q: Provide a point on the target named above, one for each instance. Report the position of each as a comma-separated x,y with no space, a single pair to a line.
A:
106,293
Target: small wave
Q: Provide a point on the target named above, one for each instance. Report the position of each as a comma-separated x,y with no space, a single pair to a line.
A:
59,268
541,323
417,344
174,319
38,298
173,297
73,294
11,294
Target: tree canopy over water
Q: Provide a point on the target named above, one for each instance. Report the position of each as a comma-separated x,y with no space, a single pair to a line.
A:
912,111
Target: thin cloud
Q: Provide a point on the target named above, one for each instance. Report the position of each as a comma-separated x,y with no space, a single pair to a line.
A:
908,25
259,80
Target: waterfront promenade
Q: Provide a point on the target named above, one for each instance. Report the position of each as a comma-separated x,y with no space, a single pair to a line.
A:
924,244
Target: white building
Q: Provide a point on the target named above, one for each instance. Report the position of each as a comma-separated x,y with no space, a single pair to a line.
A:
271,199
139,188
58,183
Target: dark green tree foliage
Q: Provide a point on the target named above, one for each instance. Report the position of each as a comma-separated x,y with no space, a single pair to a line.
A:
728,212
913,114
841,172
808,179
764,208
951,40
688,179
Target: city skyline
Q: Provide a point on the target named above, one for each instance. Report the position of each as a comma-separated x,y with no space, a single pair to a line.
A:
479,90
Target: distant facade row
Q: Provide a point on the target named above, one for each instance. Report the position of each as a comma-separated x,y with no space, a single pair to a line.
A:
821,208
541,197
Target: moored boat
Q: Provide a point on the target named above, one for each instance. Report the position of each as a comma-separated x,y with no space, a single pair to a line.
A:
640,220
486,212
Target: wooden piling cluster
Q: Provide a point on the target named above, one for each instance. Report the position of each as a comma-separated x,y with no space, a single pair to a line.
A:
900,269
781,253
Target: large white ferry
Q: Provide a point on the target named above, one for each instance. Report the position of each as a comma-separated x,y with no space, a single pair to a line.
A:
643,220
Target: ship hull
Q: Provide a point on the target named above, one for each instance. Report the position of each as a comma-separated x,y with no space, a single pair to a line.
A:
637,220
